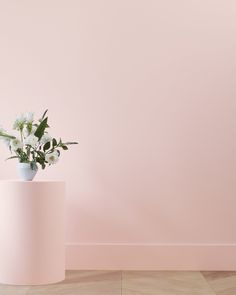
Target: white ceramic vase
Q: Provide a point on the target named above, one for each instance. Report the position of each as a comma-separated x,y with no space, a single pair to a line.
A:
26,172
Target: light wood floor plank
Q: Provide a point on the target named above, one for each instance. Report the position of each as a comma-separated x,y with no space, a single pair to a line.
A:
222,282
83,283
134,283
214,275
13,290
164,283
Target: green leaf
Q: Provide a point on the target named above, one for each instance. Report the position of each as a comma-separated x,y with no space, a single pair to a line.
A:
64,147
13,157
41,154
41,128
7,136
73,142
54,142
43,116
46,146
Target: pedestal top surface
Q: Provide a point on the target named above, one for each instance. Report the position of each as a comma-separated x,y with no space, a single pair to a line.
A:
31,182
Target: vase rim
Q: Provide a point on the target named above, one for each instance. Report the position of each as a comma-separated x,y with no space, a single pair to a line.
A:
26,165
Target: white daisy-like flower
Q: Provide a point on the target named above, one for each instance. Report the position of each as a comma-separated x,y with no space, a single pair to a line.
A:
33,129
31,140
45,138
27,132
52,158
19,122
29,117
16,144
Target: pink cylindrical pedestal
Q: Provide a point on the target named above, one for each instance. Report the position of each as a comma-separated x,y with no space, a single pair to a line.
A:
32,232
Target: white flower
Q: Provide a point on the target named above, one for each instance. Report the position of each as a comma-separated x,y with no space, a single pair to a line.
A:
33,129
16,144
29,117
31,140
52,158
19,122
45,138
27,132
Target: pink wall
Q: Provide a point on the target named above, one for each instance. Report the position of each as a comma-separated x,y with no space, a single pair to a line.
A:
148,89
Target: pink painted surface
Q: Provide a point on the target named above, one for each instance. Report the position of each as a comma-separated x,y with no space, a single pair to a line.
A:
151,256
148,88
32,238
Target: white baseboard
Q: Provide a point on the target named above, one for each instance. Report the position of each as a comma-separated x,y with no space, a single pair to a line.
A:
123,256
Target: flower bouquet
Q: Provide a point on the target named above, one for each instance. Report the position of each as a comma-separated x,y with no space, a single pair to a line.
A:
34,145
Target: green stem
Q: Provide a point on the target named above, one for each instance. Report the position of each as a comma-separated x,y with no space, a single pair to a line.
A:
21,136
7,136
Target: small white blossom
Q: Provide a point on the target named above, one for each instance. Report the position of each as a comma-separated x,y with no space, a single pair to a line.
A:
27,132
29,117
33,129
31,140
19,122
16,144
52,158
45,138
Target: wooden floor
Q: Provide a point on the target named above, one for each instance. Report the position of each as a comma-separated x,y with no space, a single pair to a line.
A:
134,283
